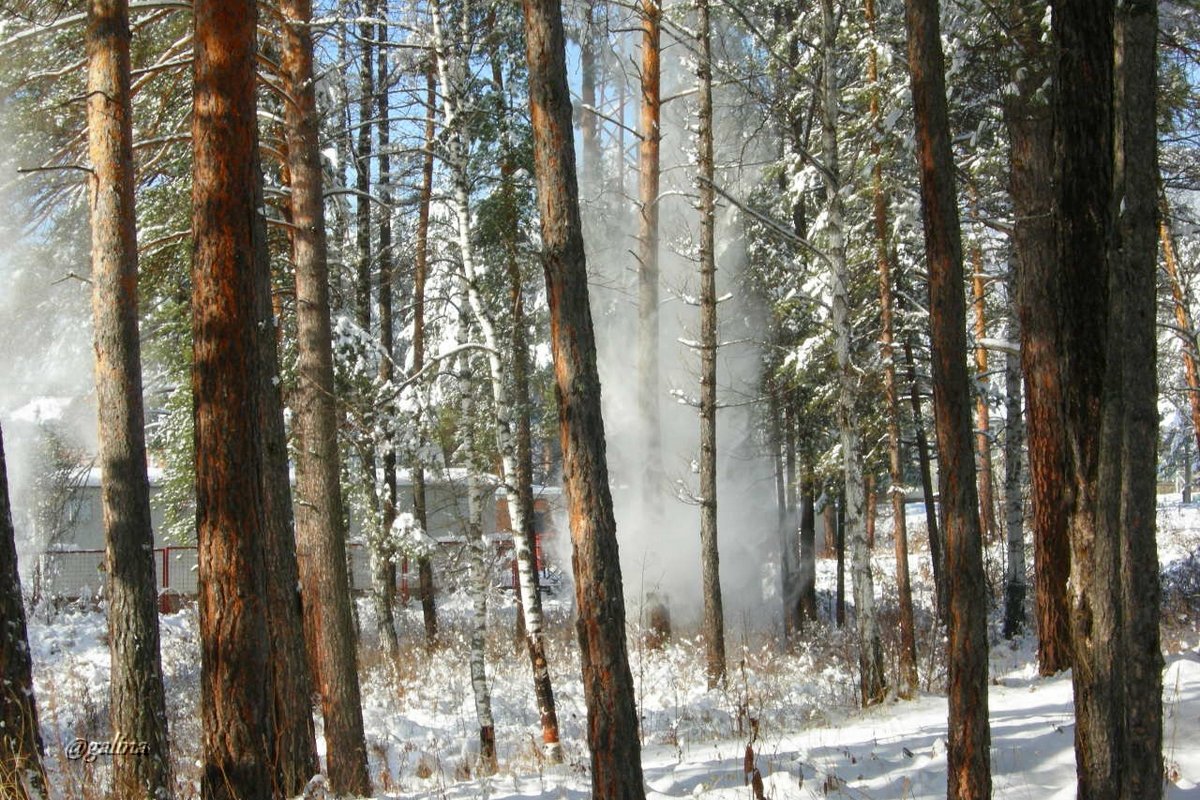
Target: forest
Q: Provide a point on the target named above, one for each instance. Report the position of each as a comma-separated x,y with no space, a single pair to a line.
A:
620,399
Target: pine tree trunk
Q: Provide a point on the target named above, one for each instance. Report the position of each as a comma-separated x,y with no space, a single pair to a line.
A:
420,278
21,769
714,615
906,683
1183,316
1084,128
320,532
1028,119
1014,499
873,683
235,675
835,522
385,577
969,761
1136,64
612,733
296,758
936,554
136,697
647,256
989,527
789,546
808,551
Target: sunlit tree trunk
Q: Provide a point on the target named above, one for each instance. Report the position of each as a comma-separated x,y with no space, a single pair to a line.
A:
320,532
714,615
647,255
989,528
21,769
612,727
1183,316
236,709
969,760
136,697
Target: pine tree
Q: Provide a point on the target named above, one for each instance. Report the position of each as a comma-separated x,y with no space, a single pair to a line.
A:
136,690
607,682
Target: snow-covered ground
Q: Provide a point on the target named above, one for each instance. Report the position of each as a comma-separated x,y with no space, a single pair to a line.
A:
811,739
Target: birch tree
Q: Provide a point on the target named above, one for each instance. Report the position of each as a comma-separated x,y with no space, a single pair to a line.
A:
452,71
872,682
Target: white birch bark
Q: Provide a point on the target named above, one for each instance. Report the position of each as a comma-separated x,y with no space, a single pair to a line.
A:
872,682
452,71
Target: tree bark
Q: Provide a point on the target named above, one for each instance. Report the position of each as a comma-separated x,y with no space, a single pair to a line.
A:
385,577
608,684
872,681
647,255
235,676
1183,316
478,544
1029,121
1014,500
136,699
989,527
1136,87
714,615
1090,374
936,553
906,683
21,769
320,533
969,761
420,278
808,550
296,758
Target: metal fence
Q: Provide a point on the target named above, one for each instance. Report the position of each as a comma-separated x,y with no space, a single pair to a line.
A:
74,574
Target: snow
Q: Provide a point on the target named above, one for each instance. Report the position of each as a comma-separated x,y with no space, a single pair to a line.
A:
811,739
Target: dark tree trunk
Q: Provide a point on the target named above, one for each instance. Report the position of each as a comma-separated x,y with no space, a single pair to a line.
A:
420,277
808,551
936,554
1136,32
1029,121
608,685
1084,128
385,556
714,615
235,674
835,515
136,698
320,533
1014,500
969,767
21,770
